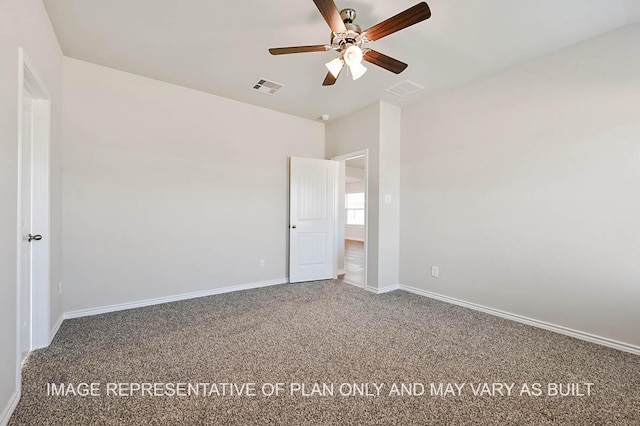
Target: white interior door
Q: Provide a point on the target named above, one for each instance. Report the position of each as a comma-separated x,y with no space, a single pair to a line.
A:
312,217
26,196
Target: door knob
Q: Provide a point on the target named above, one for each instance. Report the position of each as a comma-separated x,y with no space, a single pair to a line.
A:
293,226
36,237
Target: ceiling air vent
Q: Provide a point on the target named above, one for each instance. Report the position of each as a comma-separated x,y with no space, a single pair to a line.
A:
267,87
405,88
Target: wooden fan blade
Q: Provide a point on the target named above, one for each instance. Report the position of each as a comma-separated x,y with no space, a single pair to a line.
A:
384,61
331,14
330,80
402,20
299,49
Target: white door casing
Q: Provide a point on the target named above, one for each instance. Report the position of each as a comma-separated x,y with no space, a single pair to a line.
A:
33,260
312,219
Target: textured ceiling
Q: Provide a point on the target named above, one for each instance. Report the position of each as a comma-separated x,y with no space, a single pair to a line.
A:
220,47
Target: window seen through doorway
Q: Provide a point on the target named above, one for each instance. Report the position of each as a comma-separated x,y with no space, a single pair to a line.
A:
355,208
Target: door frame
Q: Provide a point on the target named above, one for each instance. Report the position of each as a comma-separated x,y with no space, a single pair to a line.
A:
341,213
30,82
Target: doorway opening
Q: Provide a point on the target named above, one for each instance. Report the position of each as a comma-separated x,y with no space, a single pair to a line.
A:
33,260
352,223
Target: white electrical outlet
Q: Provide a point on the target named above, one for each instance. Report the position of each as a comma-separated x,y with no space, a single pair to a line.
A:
60,287
435,271
262,262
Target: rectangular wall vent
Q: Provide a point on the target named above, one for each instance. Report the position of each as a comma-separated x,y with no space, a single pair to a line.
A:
266,87
405,88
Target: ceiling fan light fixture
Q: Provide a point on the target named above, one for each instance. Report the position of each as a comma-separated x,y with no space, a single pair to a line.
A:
353,55
335,66
357,70
348,39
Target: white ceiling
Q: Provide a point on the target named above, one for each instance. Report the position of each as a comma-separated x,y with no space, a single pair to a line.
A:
220,47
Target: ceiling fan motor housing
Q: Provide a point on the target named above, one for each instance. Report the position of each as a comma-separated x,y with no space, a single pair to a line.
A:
348,15
351,36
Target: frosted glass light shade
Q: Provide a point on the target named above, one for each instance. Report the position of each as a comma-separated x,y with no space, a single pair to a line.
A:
335,66
353,55
357,70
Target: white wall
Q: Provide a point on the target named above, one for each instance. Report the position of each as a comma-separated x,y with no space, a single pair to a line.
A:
24,24
524,189
389,201
357,173
169,191
354,187
354,232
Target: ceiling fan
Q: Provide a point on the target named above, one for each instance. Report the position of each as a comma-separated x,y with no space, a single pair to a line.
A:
349,40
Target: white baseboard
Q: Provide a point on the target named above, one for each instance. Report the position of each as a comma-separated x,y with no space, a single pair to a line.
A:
55,328
10,408
388,288
382,290
529,321
168,299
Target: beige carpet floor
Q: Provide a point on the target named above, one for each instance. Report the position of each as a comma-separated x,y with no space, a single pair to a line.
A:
322,353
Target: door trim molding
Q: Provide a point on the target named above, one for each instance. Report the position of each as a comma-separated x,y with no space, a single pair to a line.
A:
30,82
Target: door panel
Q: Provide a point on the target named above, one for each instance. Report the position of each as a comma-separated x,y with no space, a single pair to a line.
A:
26,186
313,248
312,218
